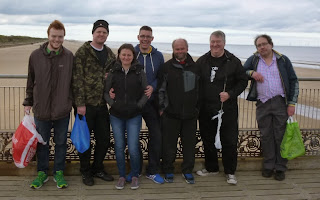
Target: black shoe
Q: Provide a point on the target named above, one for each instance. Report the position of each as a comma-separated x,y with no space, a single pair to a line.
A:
104,176
267,173
279,175
87,179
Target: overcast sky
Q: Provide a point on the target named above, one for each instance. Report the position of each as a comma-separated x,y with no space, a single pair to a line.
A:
298,20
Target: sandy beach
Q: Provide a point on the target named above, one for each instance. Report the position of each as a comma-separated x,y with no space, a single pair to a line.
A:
14,60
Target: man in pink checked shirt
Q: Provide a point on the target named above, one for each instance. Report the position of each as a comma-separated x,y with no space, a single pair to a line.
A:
275,87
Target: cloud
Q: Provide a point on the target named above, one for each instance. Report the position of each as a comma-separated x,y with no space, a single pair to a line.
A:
270,16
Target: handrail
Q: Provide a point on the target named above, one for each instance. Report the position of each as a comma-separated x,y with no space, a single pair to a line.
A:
26,76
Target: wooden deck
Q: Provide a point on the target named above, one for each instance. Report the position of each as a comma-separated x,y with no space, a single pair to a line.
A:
299,184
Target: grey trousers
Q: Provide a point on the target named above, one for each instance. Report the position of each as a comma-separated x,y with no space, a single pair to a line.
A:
271,117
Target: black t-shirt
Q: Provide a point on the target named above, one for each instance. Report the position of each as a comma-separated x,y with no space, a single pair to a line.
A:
102,56
215,64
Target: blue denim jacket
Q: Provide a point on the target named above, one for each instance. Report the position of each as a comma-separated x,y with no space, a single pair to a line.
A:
287,74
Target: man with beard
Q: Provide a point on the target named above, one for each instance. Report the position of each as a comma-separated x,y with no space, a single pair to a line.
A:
178,102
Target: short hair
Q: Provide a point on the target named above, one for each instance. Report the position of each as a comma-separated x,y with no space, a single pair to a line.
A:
145,28
127,46
180,39
56,24
218,33
263,36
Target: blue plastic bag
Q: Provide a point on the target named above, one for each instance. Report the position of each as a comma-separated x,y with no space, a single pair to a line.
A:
80,134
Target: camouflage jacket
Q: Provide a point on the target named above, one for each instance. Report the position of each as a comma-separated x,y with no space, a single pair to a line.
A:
88,77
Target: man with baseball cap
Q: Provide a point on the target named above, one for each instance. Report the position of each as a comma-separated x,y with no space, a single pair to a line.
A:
91,67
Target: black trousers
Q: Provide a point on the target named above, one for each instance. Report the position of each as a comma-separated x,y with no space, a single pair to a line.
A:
172,129
99,123
150,115
229,139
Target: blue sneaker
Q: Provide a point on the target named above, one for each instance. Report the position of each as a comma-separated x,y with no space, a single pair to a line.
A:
168,178
189,178
156,178
129,177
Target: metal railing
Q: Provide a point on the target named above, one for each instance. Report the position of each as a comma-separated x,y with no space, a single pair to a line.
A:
307,114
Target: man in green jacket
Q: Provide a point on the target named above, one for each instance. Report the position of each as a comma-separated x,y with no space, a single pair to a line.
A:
89,73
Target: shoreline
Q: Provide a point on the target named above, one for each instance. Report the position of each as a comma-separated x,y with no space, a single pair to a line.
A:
14,60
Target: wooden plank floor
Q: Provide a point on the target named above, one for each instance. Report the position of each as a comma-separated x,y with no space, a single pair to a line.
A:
299,184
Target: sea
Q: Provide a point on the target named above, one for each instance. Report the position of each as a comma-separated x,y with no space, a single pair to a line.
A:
300,56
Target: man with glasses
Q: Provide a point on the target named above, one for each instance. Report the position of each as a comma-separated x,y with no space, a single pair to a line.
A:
275,87
222,80
151,59
92,61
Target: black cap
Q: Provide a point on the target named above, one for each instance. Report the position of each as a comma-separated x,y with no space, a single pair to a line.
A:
100,23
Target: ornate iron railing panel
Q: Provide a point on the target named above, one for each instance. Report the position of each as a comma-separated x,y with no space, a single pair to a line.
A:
248,146
307,114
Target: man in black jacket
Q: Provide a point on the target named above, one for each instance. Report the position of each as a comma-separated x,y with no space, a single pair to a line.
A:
178,99
222,79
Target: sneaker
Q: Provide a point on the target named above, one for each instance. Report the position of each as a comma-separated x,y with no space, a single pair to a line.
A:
104,176
279,175
135,183
189,178
168,178
40,180
59,179
121,183
231,179
156,178
87,179
267,173
129,177
204,172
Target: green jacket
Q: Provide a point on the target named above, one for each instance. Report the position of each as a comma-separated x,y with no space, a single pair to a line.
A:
88,77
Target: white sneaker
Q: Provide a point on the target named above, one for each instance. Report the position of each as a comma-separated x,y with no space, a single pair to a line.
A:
204,172
231,179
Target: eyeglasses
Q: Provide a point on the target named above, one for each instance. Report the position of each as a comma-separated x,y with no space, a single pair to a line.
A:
145,37
262,45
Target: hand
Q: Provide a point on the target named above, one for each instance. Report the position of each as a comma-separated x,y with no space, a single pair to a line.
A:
106,75
148,91
81,110
224,96
27,110
160,112
257,76
112,94
291,110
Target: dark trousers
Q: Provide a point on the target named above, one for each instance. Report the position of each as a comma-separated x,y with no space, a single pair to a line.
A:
60,128
99,122
150,115
229,139
271,117
172,128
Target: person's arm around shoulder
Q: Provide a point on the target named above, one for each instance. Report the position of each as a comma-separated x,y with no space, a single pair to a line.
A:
144,83
108,86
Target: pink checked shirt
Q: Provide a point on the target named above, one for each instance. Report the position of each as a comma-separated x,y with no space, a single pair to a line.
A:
271,86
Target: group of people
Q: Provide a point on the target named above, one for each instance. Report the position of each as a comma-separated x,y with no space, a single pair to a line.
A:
170,96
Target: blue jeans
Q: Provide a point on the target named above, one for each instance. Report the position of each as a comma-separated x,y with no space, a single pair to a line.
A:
60,127
133,126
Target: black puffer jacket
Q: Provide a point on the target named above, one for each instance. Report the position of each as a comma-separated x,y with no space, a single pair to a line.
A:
129,90
179,89
230,72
